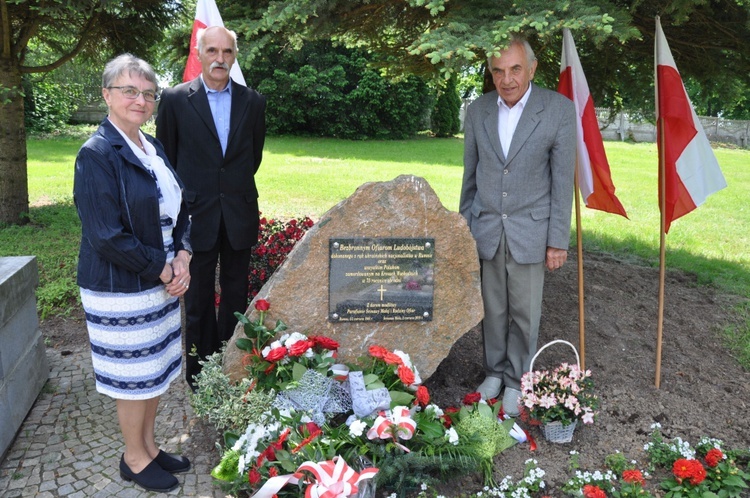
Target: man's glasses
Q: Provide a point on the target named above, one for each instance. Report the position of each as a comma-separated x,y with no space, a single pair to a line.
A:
132,93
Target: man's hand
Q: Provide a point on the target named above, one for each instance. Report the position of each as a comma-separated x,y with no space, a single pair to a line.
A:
555,258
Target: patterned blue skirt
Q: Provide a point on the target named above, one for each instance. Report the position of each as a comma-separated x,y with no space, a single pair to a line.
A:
136,345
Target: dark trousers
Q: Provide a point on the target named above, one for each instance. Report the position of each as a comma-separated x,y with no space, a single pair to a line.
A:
205,328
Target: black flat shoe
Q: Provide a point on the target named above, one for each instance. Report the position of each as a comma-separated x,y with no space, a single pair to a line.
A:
152,478
174,464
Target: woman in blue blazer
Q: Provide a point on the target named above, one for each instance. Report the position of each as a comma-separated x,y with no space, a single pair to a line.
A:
133,266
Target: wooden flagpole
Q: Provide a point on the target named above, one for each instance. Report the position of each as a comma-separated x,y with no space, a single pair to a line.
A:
662,250
579,243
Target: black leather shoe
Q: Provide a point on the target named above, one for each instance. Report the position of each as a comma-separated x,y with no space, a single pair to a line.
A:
174,464
152,478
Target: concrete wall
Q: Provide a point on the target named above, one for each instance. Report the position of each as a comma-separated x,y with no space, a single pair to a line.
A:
622,126
23,360
89,114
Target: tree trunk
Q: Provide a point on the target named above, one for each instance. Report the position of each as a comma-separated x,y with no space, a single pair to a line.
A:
14,186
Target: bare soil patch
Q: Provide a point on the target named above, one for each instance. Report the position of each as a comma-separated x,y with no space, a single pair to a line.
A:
703,389
703,392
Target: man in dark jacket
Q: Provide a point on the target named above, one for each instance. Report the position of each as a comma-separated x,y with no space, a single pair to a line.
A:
213,131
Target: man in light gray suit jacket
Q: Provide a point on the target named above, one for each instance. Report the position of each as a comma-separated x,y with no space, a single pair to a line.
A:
517,193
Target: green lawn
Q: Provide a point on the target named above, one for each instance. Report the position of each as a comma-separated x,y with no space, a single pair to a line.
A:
310,175
307,176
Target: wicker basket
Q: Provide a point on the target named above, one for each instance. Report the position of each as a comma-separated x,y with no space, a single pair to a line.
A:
556,432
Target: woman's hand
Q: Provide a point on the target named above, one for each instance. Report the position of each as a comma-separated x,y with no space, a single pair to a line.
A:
181,271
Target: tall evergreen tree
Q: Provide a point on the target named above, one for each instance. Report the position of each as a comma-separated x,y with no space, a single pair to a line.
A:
62,30
446,120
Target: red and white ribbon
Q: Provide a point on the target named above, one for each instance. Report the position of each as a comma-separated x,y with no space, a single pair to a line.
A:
334,478
340,371
518,433
273,485
398,424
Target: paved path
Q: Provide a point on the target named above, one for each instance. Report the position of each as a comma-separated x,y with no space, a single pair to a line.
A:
70,444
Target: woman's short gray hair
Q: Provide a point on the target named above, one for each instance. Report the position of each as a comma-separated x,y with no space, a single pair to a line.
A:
127,64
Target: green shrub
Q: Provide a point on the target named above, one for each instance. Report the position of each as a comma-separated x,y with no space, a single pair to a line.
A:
445,116
49,105
324,90
225,404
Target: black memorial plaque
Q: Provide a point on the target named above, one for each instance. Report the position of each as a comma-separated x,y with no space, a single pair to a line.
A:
380,279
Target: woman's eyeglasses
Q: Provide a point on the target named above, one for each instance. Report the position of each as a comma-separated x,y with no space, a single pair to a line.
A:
132,93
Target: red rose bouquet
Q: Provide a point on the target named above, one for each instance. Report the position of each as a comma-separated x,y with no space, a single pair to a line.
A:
278,363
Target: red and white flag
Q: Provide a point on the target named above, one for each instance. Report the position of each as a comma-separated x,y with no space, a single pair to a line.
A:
594,179
691,171
206,14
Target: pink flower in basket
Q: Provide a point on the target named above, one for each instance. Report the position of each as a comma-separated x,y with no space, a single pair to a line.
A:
563,395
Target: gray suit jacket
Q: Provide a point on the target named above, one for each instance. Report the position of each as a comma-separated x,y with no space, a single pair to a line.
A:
528,194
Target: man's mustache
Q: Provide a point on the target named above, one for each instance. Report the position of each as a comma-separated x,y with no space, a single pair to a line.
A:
222,65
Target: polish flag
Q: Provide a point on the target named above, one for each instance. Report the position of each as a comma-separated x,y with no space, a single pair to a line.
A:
206,14
594,179
691,172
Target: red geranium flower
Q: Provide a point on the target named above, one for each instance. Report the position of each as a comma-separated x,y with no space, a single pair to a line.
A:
699,474
406,375
324,342
269,453
314,432
591,491
276,354
689,469
472,398
682,468
253,477
423,396
713,457
262,305
633,476
312,428
299,348
282,438
448,415
377,352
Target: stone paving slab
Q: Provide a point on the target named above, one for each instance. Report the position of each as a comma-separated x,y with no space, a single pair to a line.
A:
70,443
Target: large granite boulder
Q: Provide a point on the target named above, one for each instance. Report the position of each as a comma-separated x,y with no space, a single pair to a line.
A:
405,207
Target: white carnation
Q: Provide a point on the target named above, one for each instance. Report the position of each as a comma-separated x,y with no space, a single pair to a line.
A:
357,428
452,436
